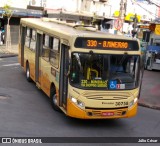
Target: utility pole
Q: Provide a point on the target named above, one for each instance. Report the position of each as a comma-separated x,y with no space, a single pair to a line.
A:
122,12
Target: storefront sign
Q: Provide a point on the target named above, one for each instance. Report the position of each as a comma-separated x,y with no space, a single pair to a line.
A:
157,30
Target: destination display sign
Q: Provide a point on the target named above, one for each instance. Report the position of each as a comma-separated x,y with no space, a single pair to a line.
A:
102,84
113,44
94,83
107,44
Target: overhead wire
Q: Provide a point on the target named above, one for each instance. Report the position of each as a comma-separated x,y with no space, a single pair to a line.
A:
151,13
152,2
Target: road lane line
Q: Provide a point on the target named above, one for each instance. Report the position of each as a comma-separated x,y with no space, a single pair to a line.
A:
14,64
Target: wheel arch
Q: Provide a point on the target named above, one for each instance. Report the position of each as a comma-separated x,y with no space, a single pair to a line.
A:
27,63
52,88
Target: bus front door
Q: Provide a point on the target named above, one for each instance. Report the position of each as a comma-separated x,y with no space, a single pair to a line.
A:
63,82
37,60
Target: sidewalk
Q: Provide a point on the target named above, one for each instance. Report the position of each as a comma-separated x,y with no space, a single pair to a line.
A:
150,91
8,53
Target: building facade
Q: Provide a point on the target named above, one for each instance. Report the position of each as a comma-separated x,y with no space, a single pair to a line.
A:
19,10
107,11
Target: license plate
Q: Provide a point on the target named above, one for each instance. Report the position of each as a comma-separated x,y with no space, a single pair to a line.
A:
108,114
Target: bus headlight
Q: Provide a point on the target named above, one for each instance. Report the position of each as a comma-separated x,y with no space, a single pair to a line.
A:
132,102
79,103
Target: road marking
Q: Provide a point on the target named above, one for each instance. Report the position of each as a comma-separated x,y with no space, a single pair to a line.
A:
3,97
14,64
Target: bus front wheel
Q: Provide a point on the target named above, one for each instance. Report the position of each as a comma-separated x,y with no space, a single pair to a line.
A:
28,73
54,100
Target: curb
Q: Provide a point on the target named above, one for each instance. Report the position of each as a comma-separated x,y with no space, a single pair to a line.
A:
149,106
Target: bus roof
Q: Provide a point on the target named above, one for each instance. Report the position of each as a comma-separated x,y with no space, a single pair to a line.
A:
51,25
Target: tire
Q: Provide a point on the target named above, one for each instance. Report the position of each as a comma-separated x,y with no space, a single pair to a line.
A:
53,99
28,73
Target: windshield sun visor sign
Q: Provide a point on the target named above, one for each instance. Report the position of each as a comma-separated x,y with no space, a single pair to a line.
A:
93,83
114,85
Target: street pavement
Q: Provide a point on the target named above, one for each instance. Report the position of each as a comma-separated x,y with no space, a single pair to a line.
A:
150,91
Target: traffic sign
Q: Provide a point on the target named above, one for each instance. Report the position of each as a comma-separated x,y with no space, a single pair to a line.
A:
118,24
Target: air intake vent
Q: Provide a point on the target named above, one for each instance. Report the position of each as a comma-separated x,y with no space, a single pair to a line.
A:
106,95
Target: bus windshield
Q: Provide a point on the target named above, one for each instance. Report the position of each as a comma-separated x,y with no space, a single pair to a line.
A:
104,71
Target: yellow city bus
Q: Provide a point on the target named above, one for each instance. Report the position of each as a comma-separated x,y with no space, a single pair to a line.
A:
86,73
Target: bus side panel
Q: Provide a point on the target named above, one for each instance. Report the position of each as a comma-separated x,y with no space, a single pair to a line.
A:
45,71
29,56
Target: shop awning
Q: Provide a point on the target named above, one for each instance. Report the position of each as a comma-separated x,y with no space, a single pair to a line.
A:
129,17
17,12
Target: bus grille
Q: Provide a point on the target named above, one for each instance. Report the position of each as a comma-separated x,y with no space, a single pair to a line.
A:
106,96
99,113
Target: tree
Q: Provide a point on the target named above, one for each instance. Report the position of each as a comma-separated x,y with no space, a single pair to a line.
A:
8,14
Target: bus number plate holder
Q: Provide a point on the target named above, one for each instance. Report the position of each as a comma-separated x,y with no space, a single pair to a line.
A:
107,113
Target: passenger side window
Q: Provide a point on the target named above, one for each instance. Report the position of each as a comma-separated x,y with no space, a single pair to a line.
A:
33,40
46,47
27,39
54,56
30,40
50,51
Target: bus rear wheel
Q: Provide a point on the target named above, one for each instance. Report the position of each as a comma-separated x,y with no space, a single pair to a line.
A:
28,73
54,100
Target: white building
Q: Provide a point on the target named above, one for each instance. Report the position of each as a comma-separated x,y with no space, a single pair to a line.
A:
105,8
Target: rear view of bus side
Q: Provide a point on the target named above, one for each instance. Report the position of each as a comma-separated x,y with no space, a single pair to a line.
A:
86,73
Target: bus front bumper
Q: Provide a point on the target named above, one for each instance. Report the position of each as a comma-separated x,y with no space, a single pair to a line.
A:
76,112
